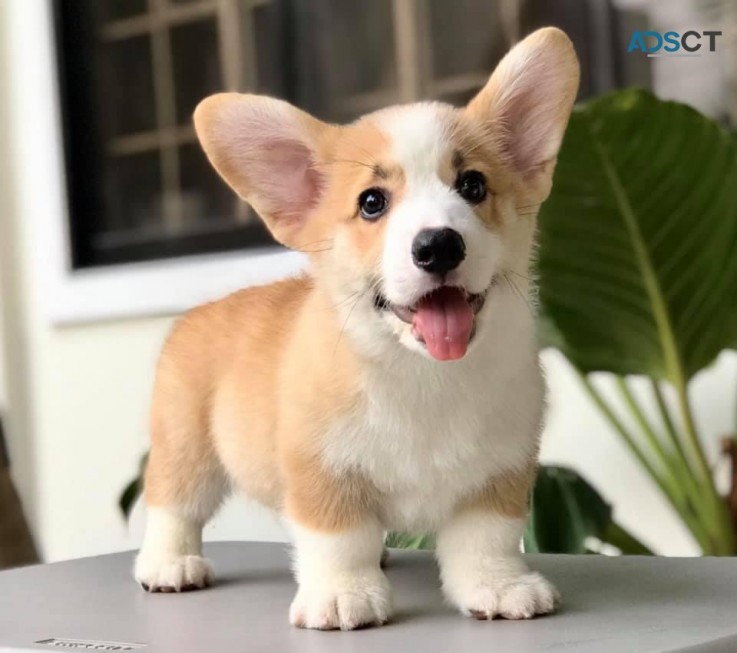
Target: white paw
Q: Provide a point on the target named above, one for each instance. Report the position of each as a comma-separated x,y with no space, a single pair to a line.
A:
522,597
175,574
342,603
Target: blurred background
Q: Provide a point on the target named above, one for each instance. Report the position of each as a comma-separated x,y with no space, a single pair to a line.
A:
112,222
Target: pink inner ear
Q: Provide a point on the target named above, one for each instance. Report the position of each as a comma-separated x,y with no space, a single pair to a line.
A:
280,171
529,113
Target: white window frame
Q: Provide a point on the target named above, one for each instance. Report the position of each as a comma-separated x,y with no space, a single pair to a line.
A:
112,292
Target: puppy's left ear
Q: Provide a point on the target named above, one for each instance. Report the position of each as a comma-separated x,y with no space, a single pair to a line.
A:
526,103
267,151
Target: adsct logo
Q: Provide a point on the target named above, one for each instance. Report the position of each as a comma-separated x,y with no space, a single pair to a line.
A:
673,44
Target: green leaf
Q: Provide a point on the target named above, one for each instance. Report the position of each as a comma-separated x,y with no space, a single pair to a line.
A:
396,540
128,497
638,239
565,512
618,536
133,490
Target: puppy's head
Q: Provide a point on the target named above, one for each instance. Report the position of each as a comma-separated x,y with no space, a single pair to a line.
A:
412,214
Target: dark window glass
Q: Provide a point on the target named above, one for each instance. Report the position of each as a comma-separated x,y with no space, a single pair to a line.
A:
125,86
271,46
483,38
196,64
133,198
116,9
204,196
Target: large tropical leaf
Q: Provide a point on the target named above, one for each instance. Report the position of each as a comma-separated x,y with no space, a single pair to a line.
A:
565,512
638,240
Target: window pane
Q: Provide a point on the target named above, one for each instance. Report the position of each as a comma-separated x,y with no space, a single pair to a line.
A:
271,48
196,61
361,61
343,50
466,37
126,87
205,197
132,193
109,10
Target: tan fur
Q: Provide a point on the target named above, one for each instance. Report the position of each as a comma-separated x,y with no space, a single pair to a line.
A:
216,355
251,380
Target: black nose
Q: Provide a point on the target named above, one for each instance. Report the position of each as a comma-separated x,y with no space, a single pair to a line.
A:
438,251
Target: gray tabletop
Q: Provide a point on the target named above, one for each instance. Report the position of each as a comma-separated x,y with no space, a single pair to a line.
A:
630,605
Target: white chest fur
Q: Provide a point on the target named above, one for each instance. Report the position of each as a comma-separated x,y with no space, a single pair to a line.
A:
427,434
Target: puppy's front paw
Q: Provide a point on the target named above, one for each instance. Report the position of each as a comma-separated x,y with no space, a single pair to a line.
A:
173,574
343,603
521,597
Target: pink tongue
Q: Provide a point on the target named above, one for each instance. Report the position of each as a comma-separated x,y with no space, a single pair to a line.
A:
444,319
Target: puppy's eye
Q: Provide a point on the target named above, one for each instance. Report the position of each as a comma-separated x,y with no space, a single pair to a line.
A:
471,186
372,203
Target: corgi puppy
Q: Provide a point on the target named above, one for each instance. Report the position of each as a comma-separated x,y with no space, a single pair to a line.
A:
396,386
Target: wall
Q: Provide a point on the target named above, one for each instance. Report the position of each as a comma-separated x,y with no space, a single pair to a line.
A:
78,395
3,372
5,210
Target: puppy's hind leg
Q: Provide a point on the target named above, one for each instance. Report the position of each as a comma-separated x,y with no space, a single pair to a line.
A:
184,486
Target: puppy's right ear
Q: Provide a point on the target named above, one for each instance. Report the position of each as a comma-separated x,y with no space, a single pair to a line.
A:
266,150
526,104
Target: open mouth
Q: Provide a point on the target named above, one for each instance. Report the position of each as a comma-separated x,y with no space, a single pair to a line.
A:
443,320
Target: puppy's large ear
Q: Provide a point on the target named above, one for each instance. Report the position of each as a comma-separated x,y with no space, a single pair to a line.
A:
266,150
526,103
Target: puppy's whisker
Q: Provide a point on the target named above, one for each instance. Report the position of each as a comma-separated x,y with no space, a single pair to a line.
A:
518,292
530,279
316,242
315,246
337,161
369,154
350,297
345,323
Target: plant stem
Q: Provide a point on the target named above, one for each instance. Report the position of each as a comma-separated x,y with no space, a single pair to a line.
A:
674,476
695,488
670,427
666,461
619,427
692,522
646,427
691,436
722,524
